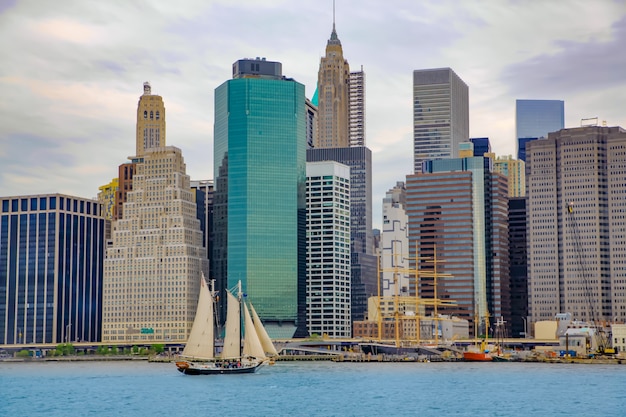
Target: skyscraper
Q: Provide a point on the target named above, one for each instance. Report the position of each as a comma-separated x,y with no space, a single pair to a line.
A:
328,249
459,209
259,236
535,119
356,111
333,96
575,210
440,115
150,121
51,254
395,243
364,266
153,267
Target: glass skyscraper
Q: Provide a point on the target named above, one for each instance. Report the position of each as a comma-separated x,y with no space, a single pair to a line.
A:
51,257
440,115
535,119
259,200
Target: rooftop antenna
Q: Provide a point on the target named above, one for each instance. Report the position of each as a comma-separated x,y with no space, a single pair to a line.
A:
333,15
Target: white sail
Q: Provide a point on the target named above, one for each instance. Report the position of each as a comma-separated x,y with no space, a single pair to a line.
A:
251,345
232,338
266,342
200,343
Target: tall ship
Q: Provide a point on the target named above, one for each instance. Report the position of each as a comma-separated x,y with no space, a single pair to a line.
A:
247,346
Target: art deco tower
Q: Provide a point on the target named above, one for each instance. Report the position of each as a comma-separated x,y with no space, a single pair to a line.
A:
153,266
150,121
333,96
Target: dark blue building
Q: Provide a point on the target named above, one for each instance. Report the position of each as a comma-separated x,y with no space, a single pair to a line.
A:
481,146
51,255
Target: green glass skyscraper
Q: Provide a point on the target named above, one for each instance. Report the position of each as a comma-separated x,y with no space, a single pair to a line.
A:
259,206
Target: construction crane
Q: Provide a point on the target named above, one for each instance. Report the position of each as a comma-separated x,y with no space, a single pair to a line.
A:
601,338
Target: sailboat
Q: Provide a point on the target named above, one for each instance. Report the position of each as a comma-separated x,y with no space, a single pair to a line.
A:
236,358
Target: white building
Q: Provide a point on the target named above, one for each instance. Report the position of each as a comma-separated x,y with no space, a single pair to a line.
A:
328,305
394,261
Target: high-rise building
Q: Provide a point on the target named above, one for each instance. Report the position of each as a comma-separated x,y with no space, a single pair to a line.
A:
153,267
259,236
394,262
576,253
364,263
514,170
356,111
125,185
440,115
154,263
518,257
333,91
150,121
328,249
51,254
457,210
535,119
481,146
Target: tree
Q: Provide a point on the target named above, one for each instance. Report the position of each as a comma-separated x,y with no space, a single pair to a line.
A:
158,348
24,353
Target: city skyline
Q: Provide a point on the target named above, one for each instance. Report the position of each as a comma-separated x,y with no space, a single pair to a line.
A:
71,72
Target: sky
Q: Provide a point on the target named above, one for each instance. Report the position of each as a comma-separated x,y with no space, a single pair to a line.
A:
72,71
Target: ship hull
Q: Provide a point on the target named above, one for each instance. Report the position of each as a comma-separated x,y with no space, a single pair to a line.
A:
477,357
216,368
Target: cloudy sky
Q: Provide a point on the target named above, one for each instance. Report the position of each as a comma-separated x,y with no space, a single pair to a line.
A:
71,72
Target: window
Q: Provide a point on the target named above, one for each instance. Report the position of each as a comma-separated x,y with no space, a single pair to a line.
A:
157,115
151,115
145,114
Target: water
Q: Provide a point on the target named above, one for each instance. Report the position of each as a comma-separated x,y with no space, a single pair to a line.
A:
314,389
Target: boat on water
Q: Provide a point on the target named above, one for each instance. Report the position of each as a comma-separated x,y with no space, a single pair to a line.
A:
246,348
478,354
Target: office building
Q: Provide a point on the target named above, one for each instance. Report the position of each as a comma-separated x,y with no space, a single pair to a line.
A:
311,123
333,95
457,210
440,115
363,261
259,236
156,258
356,111
518,257
328,249
576,252
535,119
481,146
51,256
514,170
394,262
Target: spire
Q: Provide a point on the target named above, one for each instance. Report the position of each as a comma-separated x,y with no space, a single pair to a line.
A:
333,36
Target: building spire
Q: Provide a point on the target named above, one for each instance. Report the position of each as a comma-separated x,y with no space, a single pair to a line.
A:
333,36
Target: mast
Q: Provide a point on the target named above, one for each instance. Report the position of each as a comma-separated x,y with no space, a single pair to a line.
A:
240,298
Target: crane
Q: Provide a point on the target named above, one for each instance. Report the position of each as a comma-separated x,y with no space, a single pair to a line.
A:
601,338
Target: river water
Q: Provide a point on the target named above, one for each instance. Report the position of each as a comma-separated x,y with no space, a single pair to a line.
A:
314,389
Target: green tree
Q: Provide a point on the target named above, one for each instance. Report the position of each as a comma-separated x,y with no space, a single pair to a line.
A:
115,350
24,353
158,348
135,349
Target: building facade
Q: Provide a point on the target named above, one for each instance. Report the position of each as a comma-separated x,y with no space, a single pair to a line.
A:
518,258
328,249
457,211
394,262
150,121
515,172
575,221
356,111
51,257
364,263
106,197
259,236
333,95
153,267
534,119
440,115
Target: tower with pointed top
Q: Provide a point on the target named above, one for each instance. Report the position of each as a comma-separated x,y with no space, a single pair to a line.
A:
333,96
150,121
